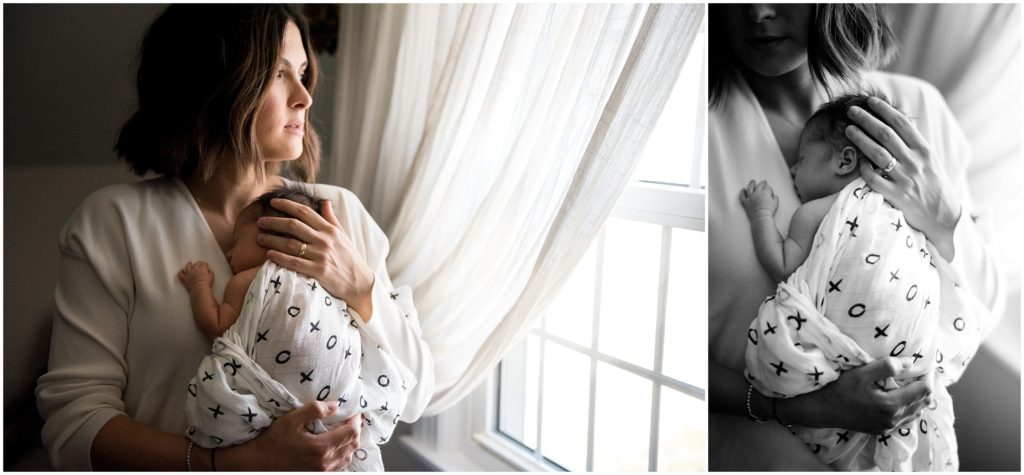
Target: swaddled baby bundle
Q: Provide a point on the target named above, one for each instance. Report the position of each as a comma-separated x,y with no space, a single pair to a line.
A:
868,289
293,343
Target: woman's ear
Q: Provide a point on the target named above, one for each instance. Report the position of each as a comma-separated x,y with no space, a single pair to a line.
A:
847,162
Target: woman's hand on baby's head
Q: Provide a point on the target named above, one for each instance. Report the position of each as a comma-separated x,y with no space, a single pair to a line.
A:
195,274
916,183
758,198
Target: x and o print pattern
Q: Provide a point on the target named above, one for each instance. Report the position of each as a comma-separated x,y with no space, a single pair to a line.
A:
294,343
869,289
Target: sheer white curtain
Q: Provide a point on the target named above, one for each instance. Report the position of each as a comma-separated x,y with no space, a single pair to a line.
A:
491,142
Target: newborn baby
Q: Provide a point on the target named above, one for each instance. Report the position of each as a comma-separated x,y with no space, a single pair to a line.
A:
857,283
280,340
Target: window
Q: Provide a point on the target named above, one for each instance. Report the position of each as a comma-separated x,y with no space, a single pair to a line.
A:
612,377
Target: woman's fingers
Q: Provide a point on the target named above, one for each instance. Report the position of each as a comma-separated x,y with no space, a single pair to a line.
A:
301,212
327,211
309,412
288,261
876,181
292,227
347,433
882,368
914,395
345,441
899,122
290,246
880,133
875,152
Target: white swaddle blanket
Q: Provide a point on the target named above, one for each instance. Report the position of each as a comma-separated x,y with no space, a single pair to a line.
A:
293,343
868,289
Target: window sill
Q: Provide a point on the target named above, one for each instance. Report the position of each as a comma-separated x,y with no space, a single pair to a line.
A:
451,441
512,453
664,205
472,457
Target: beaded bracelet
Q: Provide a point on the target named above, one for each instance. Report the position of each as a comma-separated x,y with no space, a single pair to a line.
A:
750,412
188,456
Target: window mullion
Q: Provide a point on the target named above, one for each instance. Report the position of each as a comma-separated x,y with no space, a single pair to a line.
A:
659,346
683,387
594,334
537,453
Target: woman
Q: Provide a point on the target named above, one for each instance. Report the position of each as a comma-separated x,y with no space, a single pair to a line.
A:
224,97
770,67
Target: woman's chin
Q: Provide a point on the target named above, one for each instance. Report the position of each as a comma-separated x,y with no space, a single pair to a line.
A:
287,157
773,65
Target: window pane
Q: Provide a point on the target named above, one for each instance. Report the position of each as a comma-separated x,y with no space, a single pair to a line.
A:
622,423
686,309
518,399
566,403
629,291
682,432
667,156
571,315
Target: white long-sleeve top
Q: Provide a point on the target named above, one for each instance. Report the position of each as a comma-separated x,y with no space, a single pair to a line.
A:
124,340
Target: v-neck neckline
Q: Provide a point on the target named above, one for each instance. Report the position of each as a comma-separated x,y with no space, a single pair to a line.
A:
766,126
198,212
210,236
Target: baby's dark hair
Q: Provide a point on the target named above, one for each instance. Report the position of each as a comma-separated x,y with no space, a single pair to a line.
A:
298,193
832,119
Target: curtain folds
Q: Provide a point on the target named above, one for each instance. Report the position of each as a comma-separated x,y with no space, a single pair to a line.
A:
490,142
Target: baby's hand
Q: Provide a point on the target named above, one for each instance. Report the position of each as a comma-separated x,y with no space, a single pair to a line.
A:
195,274
758,198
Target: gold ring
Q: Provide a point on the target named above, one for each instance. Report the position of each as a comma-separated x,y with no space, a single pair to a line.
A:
890,167
302,250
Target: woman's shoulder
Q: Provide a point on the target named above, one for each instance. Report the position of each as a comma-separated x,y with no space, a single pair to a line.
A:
127,195
347,204
107,208
335,193
354,218
904,89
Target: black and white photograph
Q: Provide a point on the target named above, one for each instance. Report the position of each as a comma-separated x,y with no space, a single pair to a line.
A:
864,221
355,237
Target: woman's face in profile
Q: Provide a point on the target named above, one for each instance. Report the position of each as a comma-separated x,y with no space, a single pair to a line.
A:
770,39
281,119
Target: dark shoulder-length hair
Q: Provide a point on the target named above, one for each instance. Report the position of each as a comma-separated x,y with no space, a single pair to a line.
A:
203,73
843,39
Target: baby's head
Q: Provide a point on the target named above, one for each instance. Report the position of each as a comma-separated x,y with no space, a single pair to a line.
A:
827,160
245,252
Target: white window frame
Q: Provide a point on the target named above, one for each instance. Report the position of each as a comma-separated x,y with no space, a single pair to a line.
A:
466,438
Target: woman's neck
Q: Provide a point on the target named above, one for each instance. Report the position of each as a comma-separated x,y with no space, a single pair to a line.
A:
790,95
228,191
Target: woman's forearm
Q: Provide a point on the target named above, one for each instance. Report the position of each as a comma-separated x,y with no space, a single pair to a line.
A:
727,393
126,444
